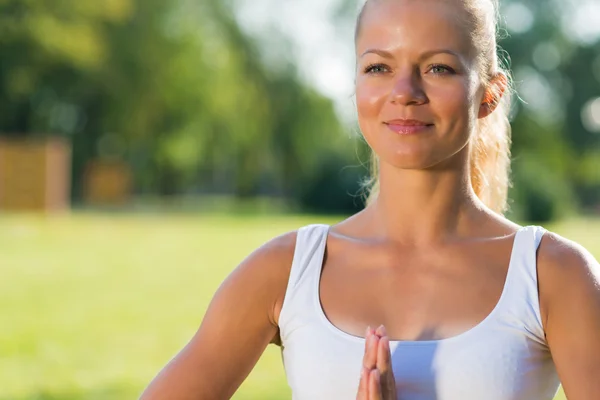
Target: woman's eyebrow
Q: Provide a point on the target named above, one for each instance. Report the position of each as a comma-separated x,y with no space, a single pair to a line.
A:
432,53
423,56
382,53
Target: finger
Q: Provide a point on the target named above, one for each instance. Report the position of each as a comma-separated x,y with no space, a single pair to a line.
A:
383,351
367,342
370,356
384,365
363,385
381,331
375,386
367,335
383,356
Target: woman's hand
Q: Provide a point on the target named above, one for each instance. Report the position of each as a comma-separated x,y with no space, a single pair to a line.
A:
377,380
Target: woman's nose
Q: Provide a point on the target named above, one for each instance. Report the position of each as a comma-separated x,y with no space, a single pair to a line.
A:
407,90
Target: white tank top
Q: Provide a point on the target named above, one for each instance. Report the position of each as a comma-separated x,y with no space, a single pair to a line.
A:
505,357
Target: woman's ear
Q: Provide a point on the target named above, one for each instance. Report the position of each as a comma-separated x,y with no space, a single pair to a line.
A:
493,94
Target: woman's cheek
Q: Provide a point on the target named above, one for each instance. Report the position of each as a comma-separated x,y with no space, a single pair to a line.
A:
449,102
370,99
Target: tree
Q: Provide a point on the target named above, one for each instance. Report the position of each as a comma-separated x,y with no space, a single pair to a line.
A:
176,88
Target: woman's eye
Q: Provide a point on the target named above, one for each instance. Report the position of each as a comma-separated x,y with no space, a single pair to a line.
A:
439,69
376,69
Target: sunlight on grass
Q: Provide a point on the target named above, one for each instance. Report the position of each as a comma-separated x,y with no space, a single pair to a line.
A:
92,305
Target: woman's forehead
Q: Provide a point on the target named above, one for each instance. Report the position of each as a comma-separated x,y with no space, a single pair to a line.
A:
414,25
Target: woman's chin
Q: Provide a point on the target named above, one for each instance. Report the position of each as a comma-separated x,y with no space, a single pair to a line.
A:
409,162
407,157
421,154
416,160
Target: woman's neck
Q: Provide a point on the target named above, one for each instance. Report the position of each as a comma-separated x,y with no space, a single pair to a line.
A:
424,206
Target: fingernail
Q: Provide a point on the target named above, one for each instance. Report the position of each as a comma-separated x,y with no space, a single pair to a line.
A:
368,331
383,331
374,342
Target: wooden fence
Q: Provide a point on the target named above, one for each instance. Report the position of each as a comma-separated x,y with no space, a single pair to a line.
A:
35,174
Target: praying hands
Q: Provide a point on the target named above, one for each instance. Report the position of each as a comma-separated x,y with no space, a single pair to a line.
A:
377,380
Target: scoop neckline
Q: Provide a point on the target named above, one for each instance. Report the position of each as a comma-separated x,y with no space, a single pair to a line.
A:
359,339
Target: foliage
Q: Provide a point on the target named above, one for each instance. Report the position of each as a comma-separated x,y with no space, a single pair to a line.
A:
555,76
195,104
176,88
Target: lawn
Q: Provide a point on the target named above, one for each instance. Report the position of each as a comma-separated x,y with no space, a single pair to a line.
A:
92,305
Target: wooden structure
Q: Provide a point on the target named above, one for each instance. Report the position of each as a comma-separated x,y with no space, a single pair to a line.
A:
107,183
35,174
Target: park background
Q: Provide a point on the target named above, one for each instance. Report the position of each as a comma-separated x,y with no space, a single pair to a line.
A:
147,147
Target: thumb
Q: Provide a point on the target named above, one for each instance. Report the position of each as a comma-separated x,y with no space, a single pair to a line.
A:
375,385
363,385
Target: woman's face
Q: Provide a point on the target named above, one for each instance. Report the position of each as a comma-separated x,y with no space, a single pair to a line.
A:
417,89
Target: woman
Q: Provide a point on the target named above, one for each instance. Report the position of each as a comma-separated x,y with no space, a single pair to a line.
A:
467,304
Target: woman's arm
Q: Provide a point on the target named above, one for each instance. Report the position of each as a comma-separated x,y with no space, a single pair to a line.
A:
240,322
569,280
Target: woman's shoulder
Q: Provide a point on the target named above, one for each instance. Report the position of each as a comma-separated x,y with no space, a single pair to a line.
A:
262,276
276,253
559,256
568,276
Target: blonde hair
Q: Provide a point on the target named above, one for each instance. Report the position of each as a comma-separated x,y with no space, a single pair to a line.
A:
490,146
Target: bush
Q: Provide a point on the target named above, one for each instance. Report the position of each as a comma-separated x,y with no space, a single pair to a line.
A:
336,187
539,194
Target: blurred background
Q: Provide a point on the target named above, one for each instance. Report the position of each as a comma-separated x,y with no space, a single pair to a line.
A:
146,147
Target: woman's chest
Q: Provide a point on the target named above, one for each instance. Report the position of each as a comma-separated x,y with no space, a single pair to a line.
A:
424,297
494,367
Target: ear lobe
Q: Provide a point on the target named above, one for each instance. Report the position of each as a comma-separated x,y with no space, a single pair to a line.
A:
485,109
493,94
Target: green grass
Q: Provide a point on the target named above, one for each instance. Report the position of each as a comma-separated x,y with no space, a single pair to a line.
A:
93,305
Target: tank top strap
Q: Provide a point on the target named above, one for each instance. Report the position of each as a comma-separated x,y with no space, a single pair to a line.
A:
310,246
522,297
538,234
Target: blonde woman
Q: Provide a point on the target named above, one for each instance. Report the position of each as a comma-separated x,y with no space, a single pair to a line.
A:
429,292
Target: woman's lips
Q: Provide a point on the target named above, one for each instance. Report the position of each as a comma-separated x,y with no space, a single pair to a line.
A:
408,126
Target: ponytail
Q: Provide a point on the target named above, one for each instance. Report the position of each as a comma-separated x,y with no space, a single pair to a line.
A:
490,158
